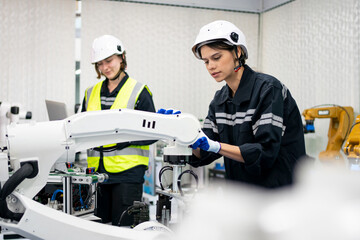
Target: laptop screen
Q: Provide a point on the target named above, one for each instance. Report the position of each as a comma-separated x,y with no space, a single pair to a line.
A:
56,110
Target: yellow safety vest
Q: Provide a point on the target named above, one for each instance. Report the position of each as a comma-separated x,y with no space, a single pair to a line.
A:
117,160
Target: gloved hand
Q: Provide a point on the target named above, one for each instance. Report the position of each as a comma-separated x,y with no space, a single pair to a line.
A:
206,144
168,111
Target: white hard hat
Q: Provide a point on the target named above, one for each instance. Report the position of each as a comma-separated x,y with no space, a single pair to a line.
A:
219,30
106,46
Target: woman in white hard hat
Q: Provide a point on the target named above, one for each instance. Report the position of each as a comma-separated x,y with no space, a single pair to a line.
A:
125,163
253,121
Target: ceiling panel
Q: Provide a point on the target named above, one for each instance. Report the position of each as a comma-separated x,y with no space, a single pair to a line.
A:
252,6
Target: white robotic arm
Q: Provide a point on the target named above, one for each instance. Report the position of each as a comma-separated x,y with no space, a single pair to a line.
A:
45,142
41,144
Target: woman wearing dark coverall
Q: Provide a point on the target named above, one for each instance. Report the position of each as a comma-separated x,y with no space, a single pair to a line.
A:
253,121
125,163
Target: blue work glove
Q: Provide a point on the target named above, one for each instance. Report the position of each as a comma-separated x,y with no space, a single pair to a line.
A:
168,111
206,144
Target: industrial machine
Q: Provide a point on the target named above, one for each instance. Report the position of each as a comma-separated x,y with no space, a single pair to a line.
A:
10,113
174,190
352,146
32,149
341,119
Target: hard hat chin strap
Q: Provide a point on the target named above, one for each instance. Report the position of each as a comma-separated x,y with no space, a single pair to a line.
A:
237,57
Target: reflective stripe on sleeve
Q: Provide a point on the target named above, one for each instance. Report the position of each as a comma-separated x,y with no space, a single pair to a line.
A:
269,118
210,125
233,119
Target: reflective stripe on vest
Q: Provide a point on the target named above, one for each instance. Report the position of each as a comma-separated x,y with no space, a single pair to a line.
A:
117,160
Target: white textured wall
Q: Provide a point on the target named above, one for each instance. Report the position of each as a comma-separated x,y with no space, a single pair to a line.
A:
37,53
158,40
313,47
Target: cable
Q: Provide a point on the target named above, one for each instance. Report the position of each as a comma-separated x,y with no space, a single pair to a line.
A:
123,214
78,201
180,176
87,201
53,197
162,170
27,170
165,168
59,171
81,200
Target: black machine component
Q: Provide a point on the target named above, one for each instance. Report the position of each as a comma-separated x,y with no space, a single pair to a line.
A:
27,170
176,160
140,212
163,209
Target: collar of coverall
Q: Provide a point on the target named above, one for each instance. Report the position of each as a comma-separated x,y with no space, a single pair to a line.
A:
246,82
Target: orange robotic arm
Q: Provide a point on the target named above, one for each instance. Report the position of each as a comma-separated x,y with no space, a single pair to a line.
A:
352,144
341,118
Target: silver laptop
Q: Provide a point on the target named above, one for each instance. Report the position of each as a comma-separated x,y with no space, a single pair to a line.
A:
56,110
